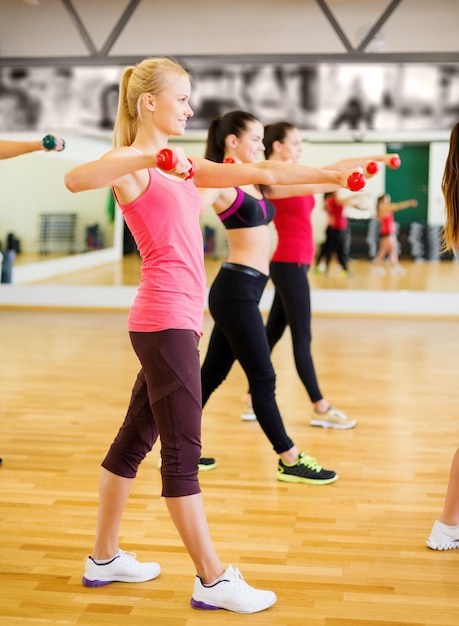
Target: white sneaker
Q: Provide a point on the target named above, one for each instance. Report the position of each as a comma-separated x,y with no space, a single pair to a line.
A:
443,537
232,593
247,414
379,270
122,568
398,270
332,419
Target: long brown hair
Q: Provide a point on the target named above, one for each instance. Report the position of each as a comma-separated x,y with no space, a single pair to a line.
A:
450,190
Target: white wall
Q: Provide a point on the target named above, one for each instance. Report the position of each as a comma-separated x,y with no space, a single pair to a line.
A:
34,183
206,27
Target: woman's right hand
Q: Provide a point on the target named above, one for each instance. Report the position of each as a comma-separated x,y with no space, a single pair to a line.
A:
347,174
175,162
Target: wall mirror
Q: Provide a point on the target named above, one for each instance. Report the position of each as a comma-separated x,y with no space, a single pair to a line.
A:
343,109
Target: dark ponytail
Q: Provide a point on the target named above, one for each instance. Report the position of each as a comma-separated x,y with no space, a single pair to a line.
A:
275,132
232,123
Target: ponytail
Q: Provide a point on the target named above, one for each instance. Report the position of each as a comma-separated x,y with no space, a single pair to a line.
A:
232,123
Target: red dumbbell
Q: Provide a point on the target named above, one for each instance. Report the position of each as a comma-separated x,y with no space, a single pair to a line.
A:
372,167
356,181
229,160
167,159
395,162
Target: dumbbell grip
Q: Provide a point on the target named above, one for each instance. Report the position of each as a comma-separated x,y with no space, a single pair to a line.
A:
49,142
356,181
166,160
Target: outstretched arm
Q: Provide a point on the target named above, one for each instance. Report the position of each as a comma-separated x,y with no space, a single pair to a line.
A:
343,165
269,173
9,149
393,207
112,169
364,161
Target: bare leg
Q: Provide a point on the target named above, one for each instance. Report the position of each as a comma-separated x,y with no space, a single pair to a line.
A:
113,494
384,248
187,513
393,252
189,517
450,514
290,456
321,406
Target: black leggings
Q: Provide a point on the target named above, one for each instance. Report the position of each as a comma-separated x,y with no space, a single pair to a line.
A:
239,333
292,307
165,401
336,242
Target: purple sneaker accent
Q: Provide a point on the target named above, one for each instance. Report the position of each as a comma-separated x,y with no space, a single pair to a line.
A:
230,592
124,568
95,583
202,605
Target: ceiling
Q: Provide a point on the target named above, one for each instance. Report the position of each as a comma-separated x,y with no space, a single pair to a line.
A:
84,32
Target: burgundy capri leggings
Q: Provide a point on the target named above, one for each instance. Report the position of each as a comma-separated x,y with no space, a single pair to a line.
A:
165,401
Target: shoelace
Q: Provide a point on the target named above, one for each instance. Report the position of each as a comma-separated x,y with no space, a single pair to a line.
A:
238,582
127,557
336,412
309,461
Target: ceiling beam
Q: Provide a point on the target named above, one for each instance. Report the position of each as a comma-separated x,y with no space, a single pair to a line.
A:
378,25
254,59
80,26
335,25
119,27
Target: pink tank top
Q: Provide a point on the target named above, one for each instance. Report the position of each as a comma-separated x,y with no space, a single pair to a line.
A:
164,222
294,230
387,224
336,216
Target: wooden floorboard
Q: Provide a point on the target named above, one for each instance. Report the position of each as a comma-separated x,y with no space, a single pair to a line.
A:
348,554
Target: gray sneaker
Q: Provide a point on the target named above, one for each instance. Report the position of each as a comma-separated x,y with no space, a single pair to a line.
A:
333,418
232,593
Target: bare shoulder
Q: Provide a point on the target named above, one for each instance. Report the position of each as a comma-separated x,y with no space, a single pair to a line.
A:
118,152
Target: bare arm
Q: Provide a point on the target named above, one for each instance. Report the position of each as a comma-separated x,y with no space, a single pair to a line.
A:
363,161
112,169
393,207
343,165
221,175
9,149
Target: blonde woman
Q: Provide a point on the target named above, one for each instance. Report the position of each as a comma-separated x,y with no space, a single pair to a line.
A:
165,324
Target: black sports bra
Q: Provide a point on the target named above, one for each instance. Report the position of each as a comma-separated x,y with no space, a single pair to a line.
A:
247,212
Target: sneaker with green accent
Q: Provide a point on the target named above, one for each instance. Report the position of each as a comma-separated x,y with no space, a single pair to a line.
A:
206,463
306,469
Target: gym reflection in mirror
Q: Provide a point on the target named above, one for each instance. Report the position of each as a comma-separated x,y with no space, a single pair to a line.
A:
56,234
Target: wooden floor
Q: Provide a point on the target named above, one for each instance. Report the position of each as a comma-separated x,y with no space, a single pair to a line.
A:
348,554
